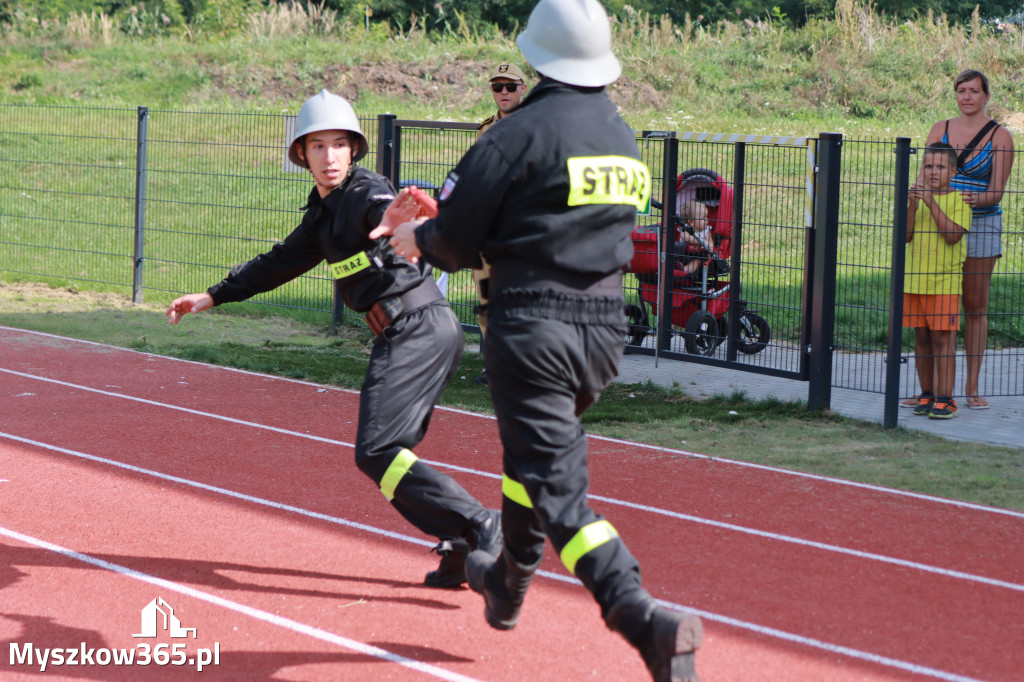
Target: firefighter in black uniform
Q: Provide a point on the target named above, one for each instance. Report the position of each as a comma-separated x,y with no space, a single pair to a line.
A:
549,197
418,341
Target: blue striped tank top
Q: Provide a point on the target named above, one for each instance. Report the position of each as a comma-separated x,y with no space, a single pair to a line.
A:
975,174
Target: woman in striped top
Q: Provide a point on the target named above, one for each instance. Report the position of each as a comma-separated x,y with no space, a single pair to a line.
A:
985,151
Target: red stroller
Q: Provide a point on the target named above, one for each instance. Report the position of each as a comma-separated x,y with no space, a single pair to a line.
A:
699,301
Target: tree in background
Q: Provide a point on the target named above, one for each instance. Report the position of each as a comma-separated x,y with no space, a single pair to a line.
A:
508,16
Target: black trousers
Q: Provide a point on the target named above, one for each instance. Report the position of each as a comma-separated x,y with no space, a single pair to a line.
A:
410,364
543,375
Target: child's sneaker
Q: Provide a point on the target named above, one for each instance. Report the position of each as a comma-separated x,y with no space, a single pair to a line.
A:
925,401
944,408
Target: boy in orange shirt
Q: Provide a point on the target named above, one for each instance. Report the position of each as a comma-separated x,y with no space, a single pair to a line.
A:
937,220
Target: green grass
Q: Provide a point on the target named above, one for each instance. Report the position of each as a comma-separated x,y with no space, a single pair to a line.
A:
864,76
859,74
217,194
770,432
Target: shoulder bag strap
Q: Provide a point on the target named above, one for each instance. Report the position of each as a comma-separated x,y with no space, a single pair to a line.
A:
969,149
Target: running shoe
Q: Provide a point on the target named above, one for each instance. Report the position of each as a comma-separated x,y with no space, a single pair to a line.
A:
925,401
944,408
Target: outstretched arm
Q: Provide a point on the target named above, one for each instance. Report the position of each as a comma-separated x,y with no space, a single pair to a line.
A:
190,303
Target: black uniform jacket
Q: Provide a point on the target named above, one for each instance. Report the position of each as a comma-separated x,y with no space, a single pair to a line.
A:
334,228
509,196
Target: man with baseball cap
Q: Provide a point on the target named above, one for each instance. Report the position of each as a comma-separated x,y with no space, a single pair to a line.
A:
549,197
508,85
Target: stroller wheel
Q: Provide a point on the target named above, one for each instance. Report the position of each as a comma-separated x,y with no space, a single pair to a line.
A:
754,333
638,325
701,333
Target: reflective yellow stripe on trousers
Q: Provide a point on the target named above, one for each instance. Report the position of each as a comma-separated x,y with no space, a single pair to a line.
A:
399,466
515,492
589,537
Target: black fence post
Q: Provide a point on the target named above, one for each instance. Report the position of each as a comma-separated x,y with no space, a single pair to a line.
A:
670,164
736,230
894,352
139,250
823,275
386,146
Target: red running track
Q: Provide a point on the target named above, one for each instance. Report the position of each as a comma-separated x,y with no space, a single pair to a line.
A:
233,497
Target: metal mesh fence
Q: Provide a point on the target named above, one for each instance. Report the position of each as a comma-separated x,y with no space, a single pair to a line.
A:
424,154
1004,348
214,189
771,236
864,272
765,249
219,190
67,193
866,213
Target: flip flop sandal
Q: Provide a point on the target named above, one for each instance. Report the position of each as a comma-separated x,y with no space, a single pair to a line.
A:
975,402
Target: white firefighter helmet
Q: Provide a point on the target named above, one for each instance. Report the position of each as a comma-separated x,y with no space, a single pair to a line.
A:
326,111
570,41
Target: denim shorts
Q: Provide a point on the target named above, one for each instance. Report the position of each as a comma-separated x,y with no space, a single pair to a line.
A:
985,237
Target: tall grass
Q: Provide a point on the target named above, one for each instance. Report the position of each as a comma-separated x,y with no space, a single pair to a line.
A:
859,73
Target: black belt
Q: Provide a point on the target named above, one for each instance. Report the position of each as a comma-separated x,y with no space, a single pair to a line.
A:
385,311
517,274
520,289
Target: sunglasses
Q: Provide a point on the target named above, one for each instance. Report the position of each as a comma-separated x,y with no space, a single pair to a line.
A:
507,87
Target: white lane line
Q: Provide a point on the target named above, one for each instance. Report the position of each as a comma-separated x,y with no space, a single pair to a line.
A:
643,446
443,465
222,491
817,545
734,622
833,648
167,406
824,479
273,619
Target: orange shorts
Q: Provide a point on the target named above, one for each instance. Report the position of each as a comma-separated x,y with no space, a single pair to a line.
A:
938,312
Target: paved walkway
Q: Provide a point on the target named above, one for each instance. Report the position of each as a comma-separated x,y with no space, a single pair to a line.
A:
1001,424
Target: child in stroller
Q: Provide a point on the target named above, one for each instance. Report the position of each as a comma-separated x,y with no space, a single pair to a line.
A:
700,287
696,239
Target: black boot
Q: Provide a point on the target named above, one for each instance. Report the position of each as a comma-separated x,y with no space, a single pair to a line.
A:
503,583
452,571
485,535
667,640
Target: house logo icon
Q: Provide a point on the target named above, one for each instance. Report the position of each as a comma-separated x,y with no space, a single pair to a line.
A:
151,621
